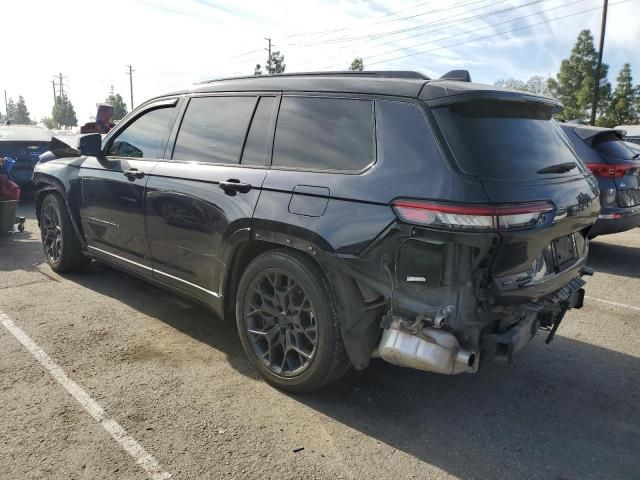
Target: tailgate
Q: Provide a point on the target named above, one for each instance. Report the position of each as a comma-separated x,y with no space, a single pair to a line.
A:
546,257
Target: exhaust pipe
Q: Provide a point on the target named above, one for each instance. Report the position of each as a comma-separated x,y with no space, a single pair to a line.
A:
432,350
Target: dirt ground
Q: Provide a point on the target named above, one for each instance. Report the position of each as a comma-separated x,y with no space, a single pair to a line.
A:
176,379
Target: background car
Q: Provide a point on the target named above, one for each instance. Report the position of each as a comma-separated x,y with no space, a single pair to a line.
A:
617,168
632,133
23,143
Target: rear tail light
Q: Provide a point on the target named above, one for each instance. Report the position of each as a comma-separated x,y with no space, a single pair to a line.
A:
611,216
617,170
472,216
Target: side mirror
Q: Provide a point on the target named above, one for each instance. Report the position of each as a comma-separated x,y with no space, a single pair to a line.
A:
90,145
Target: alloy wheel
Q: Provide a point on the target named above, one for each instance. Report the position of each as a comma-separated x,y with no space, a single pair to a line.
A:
280,323
51,233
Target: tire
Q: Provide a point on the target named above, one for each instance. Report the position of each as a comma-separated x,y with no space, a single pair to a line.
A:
60,243
299,349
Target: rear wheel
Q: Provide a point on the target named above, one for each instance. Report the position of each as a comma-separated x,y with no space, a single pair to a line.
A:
288,322
61,246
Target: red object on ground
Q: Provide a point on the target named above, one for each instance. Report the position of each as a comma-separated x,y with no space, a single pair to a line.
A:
8,189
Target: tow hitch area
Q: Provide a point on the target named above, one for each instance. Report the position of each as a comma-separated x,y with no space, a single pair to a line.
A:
545,316
424,346
576,300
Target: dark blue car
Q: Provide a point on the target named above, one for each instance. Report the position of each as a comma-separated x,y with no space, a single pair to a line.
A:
23,143
617,168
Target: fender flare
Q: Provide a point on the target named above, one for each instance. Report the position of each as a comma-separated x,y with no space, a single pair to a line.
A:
358,320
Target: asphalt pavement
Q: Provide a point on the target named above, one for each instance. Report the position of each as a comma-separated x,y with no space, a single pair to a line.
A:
84,354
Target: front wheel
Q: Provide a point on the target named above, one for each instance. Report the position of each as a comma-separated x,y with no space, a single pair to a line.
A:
61,246
288,322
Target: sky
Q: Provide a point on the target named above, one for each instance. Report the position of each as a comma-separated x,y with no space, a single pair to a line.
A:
173,43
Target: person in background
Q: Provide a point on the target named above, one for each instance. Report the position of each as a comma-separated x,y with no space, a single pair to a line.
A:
8,189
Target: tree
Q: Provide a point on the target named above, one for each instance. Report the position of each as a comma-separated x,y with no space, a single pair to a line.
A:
624,105
257,70
276,63
63,113
21,116
536,84
512,83
574,83
119,107
49,123
357,65
11,109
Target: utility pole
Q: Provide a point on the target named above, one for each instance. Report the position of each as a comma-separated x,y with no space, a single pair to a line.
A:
61,88
130,73
596,83
6,105
269,58
53,84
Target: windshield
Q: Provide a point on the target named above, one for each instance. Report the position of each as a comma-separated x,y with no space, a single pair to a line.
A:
505,140
610,145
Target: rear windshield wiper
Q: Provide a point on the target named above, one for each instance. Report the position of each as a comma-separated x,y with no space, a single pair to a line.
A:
559,168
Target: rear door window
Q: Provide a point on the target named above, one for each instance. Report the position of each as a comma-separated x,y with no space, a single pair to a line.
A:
504,140
213,129
324,134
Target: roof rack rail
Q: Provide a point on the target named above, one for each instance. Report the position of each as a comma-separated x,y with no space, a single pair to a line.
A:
406,74
457,75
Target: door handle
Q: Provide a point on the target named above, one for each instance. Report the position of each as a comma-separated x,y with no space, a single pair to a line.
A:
232,186
133,173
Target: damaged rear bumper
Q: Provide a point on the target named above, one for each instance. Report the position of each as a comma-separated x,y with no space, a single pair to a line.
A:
545,315
424,345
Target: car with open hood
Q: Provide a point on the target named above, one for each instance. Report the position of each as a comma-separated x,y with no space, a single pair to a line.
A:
338,216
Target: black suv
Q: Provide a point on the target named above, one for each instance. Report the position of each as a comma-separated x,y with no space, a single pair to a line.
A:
338,216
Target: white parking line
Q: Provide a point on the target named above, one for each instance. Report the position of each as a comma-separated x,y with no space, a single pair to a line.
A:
126,441
609,302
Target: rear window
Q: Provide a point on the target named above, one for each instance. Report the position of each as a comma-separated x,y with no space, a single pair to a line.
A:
610,145
504,140
213,129
324,134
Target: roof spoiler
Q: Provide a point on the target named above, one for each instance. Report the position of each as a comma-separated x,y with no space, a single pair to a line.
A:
457,75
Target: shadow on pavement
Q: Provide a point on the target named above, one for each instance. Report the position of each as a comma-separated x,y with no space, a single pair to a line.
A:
614,259
570,410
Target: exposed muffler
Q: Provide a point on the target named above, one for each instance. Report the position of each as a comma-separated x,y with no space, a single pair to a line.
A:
431,350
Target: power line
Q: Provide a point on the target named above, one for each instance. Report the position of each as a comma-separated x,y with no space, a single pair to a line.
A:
347,28
446,21
457,35
269,58
130,73
455,22
61,84
495,34
596,81
244,54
